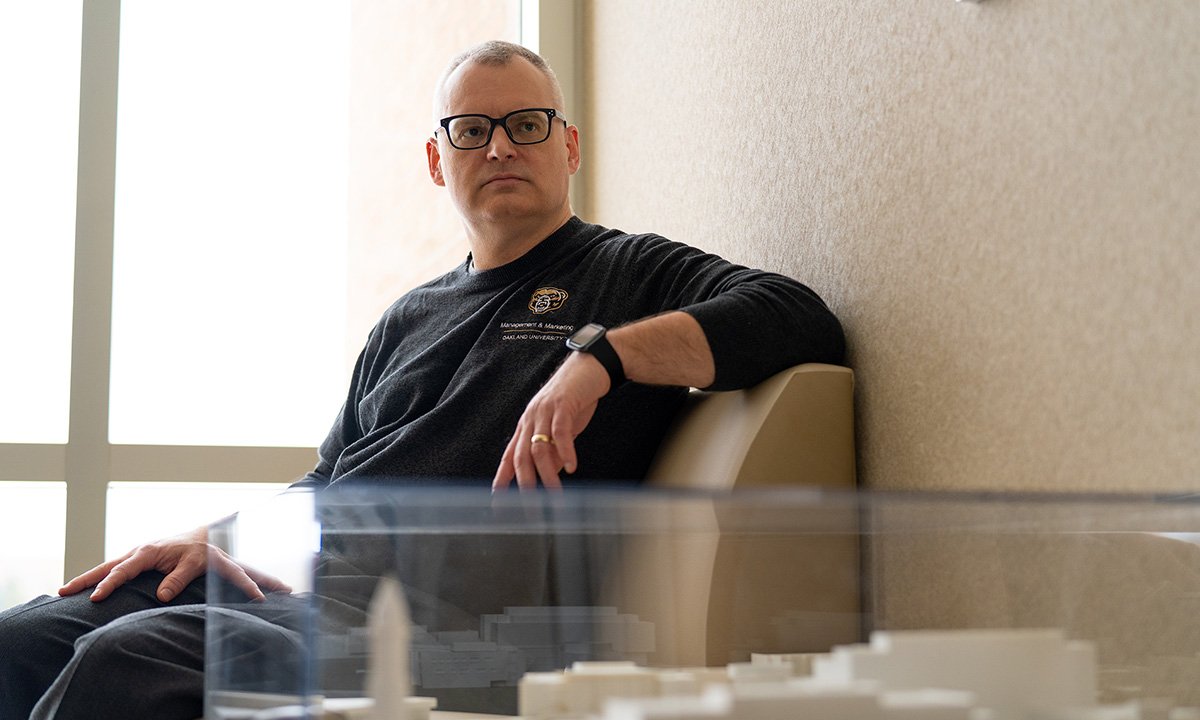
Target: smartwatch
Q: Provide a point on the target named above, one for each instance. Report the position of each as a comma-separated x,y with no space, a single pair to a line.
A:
591,339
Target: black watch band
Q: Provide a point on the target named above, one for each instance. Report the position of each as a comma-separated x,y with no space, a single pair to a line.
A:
591,339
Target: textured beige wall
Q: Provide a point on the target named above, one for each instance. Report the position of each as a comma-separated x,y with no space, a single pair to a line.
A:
1001,201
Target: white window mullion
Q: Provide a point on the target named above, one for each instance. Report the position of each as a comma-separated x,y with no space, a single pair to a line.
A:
197,463
32,463
87,452
553,30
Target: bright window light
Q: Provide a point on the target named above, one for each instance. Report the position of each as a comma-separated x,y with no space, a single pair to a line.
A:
39,133
142,512
229,277
32,531
530,30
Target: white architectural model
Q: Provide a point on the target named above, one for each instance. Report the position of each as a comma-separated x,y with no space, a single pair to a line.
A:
915,675
526,639
506,646
1015,672
388,682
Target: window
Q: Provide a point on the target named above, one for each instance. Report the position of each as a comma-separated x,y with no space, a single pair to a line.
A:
230,229
135,510
39,79
32,524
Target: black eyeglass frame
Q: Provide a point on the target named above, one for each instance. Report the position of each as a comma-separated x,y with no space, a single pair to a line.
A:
551,114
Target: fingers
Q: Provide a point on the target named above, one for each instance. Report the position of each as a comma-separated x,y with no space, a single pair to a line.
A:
266,581
535,458
527,471
528,461
121,573
546,461
250,581
179,578
236,574
507,469
182,559
530,457
523,469
89,578
564,443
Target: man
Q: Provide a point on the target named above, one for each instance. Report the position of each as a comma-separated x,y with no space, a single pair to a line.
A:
465,378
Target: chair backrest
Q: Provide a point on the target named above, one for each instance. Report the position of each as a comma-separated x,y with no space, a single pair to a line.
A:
715,596
794,428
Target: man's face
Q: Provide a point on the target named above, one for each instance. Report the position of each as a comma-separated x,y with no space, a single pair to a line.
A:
504,181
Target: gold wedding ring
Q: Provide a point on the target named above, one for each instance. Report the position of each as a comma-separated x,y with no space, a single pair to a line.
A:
540,438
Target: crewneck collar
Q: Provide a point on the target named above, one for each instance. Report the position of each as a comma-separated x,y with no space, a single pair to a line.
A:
540,254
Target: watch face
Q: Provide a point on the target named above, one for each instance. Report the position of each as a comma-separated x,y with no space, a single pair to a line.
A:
585,336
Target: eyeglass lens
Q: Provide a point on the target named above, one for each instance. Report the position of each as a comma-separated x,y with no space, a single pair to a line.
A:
525,127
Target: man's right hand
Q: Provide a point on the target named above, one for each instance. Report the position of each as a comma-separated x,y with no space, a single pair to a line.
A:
182,559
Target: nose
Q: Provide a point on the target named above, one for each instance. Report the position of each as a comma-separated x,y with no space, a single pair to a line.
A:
500,147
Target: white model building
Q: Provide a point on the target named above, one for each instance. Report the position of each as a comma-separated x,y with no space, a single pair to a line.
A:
388,680
1014,672
544,634
507,645
912,675
790,701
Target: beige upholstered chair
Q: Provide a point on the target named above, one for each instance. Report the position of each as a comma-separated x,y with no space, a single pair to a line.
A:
794,428
716,594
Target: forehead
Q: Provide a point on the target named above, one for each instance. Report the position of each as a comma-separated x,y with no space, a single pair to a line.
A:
496,89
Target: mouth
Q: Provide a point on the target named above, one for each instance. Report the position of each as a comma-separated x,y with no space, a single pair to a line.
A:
504,179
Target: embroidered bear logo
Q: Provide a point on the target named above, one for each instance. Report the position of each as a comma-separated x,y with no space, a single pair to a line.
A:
546,300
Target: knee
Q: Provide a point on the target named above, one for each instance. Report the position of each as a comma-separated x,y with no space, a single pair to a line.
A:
173,635
31,631
147,665
36,643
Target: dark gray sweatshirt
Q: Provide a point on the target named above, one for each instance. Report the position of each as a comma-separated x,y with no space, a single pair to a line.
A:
448,370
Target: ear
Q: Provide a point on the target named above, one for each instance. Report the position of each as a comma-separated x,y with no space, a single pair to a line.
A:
572,149
435,162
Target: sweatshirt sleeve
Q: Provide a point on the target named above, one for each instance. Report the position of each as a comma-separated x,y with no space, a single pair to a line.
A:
757,323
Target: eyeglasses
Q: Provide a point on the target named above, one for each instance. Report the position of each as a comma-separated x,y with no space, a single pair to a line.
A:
529,126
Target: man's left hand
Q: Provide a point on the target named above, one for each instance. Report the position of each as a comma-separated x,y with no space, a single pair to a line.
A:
544,442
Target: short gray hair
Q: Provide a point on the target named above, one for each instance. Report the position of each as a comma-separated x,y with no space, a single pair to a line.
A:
498,52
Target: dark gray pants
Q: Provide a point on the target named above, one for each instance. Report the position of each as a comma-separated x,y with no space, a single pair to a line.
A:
130,656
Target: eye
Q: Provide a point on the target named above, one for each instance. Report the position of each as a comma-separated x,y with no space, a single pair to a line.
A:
468,131
528,125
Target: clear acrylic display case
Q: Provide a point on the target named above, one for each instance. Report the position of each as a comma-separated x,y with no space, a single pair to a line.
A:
498,586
